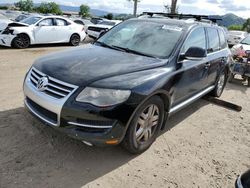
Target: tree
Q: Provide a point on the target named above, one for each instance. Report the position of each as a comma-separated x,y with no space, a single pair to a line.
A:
84,11
135,6
235,27
246,25
25,5
109,16
49,8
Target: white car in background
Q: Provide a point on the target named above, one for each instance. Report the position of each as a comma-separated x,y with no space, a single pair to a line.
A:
95,31
243,45
234,37
85,22
42,30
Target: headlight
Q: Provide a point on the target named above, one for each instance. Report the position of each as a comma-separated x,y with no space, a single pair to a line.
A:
103,97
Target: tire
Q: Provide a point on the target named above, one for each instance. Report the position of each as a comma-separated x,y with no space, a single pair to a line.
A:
248,81
75,40
21,41
230,77
144,127
220,85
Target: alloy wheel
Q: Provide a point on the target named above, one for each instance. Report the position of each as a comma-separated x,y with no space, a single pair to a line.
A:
147,123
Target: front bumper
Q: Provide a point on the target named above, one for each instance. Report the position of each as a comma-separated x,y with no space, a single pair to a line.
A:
6,40
80,121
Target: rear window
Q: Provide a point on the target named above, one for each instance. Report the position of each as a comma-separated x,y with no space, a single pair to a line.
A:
223,42
213,40
61,22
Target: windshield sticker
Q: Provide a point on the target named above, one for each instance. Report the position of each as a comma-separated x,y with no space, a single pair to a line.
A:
173,28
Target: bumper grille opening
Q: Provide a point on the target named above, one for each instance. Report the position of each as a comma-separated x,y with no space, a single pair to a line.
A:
46,114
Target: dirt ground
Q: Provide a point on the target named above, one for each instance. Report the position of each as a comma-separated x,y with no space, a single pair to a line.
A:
208,145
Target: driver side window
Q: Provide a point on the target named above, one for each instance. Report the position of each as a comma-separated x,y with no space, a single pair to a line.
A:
197,38
46,22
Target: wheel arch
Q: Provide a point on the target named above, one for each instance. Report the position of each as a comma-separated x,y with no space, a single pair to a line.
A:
23,33
165,97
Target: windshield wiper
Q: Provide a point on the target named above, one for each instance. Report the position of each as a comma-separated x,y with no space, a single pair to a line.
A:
133,51
109,46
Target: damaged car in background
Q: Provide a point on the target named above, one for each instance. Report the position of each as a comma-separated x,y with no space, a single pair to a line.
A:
42,30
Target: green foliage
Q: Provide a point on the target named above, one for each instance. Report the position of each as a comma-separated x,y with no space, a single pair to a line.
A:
25,5
49,8
109,16
235,27
246,25
3,7
84,11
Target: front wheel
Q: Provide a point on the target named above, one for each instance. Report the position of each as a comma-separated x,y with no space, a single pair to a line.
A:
218,90
75,40
21,41
144,126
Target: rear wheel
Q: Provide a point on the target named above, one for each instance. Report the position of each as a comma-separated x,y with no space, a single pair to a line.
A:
21,41
218,90
75,40
248,81
144,126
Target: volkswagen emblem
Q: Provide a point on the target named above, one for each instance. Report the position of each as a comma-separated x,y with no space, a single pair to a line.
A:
42,83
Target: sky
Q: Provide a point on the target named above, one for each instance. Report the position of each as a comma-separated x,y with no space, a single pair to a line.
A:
238,7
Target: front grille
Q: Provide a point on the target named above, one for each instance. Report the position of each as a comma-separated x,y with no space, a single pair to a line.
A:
96,29
42,112
54,88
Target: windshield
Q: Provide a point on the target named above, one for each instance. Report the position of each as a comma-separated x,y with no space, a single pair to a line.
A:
246,41
31,20
143,37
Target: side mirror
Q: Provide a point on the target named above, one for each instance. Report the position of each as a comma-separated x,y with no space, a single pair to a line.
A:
194,53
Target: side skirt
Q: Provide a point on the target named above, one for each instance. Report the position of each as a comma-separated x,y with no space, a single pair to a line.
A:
185,103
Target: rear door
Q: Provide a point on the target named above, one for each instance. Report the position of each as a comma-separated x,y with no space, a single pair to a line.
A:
192,74
45,31
215,58
63,30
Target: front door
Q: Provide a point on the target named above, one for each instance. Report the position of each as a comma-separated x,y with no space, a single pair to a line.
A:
45,31
191,77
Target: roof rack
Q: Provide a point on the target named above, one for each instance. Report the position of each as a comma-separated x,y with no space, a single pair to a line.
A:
183,16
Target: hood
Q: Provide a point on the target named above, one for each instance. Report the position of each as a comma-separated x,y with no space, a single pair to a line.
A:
246,47
4,24
84,65
17,24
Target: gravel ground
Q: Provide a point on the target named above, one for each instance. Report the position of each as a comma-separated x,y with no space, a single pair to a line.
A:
207,145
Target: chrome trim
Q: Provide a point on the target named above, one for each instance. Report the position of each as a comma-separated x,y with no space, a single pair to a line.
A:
43,99
190,100
90,126
239,184
36,114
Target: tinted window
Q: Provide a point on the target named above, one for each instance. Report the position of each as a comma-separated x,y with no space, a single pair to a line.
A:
61,22
223,42
246,41
197,38
46,22
79,22
213,38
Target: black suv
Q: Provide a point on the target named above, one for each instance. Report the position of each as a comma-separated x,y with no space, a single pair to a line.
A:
123,87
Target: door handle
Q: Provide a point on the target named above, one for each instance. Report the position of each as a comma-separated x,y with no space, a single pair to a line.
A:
207,65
